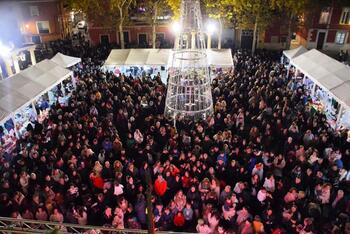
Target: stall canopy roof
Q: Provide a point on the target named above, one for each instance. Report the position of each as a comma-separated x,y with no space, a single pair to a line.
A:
65,60
293,53
162,57
327,73
21,89
220,58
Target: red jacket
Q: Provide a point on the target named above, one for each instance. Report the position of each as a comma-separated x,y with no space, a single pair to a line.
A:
160,187
186,181
97,182
179,219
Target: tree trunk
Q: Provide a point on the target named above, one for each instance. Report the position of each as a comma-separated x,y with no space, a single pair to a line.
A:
154,35
255,35
121,36
220,34
289,37
121,33
154,25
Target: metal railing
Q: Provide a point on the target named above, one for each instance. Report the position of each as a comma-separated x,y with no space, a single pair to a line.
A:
27,226
11,225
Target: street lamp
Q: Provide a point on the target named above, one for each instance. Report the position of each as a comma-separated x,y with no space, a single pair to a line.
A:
5,51
176,28
211,28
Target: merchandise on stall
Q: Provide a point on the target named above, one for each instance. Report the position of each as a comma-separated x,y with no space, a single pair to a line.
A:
8,138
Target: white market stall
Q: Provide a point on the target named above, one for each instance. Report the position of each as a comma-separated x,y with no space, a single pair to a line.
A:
293,53
330,81
138,62
19,92
152,61
220,59
65,60
288,55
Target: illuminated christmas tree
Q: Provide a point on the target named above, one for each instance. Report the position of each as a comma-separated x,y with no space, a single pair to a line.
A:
189,90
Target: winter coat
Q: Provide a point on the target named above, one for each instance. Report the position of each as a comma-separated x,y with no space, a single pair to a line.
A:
179,219
160,187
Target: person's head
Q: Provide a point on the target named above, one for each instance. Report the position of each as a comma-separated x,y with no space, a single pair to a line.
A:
193,189
269,212
340,193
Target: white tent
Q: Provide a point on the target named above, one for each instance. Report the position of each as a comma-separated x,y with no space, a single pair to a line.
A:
137,57
327,73
23,88
162,57
293,53
220,58
65,60
158,56
117,57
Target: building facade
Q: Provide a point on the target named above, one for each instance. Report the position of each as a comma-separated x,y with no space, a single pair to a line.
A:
134,36
42,20
326,29
24,23
32,21
329,31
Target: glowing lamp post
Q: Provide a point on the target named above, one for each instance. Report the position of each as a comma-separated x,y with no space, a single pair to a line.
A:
5,51
211,28
176,28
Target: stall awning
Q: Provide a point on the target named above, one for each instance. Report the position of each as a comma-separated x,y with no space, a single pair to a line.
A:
21,89
65,60
220,58
158,57
117,57
293,53
327,73
137,57
3,114
162,57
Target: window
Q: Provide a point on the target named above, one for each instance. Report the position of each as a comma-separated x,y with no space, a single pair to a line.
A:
43,26
104,39
345,16
34,10
340,37
324,17
246,33
126,36
274,39
283,39
143,39
36,39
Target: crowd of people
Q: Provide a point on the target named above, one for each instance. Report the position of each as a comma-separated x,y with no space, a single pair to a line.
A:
264,163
